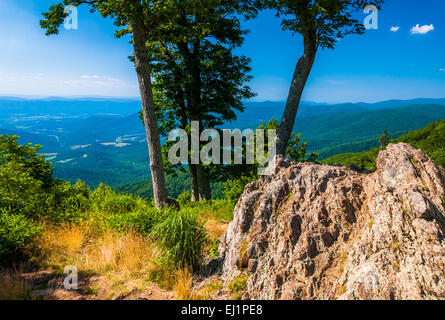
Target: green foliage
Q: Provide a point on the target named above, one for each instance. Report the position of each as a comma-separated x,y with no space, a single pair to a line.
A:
330,135
323,21
363,161
176,185
197,76
27,188
141,221
27,158
25,179
25,201
236,177
219,209
184,198
16,232
228,174
182,237
105,200
69,203
430,140
234,188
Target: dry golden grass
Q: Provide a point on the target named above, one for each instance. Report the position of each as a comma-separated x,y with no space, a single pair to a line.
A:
183,284
117,252
216,229
120,260
95,252
57,244
13,286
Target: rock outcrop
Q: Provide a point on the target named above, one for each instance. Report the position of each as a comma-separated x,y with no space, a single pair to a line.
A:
309,231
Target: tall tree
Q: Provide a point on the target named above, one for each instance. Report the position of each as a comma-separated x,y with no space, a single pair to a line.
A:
142,19
197,76
322,23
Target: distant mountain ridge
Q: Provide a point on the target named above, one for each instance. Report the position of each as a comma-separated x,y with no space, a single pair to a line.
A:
125,106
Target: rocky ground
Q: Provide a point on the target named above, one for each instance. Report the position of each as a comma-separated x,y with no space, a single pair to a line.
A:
48,285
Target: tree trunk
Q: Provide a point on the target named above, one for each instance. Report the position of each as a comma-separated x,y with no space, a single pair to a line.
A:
205,192
301,74
194,183
143,70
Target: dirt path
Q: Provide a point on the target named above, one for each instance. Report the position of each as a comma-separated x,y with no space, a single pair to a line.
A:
48,285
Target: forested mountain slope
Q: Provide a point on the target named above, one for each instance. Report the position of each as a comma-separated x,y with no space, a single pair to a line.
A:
430,140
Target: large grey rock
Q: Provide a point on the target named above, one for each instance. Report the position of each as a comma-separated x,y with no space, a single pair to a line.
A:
311,231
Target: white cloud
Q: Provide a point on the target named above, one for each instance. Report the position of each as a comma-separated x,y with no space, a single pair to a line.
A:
395,29
42,84
94,76
443,70
422,30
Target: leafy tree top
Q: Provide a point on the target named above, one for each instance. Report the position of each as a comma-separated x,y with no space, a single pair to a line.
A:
158,15
322,22
27,157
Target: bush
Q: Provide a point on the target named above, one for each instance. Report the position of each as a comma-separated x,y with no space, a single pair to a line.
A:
142,221
215,209
69,203
20,193
25,179
28,188
183,237
105,200
184,199
234,188
16,232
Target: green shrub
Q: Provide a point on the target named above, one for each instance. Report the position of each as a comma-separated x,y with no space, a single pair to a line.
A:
215,209
20,193
184,198
25,179
33,163
105,200
28,188
141,221
183,237
69,203
234,188
16,232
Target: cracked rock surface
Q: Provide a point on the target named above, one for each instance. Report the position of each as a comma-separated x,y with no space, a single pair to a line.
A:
310,231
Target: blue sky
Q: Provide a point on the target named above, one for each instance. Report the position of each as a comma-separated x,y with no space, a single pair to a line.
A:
380,65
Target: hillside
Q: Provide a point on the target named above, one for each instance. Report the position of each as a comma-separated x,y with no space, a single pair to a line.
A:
356,132
431,140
